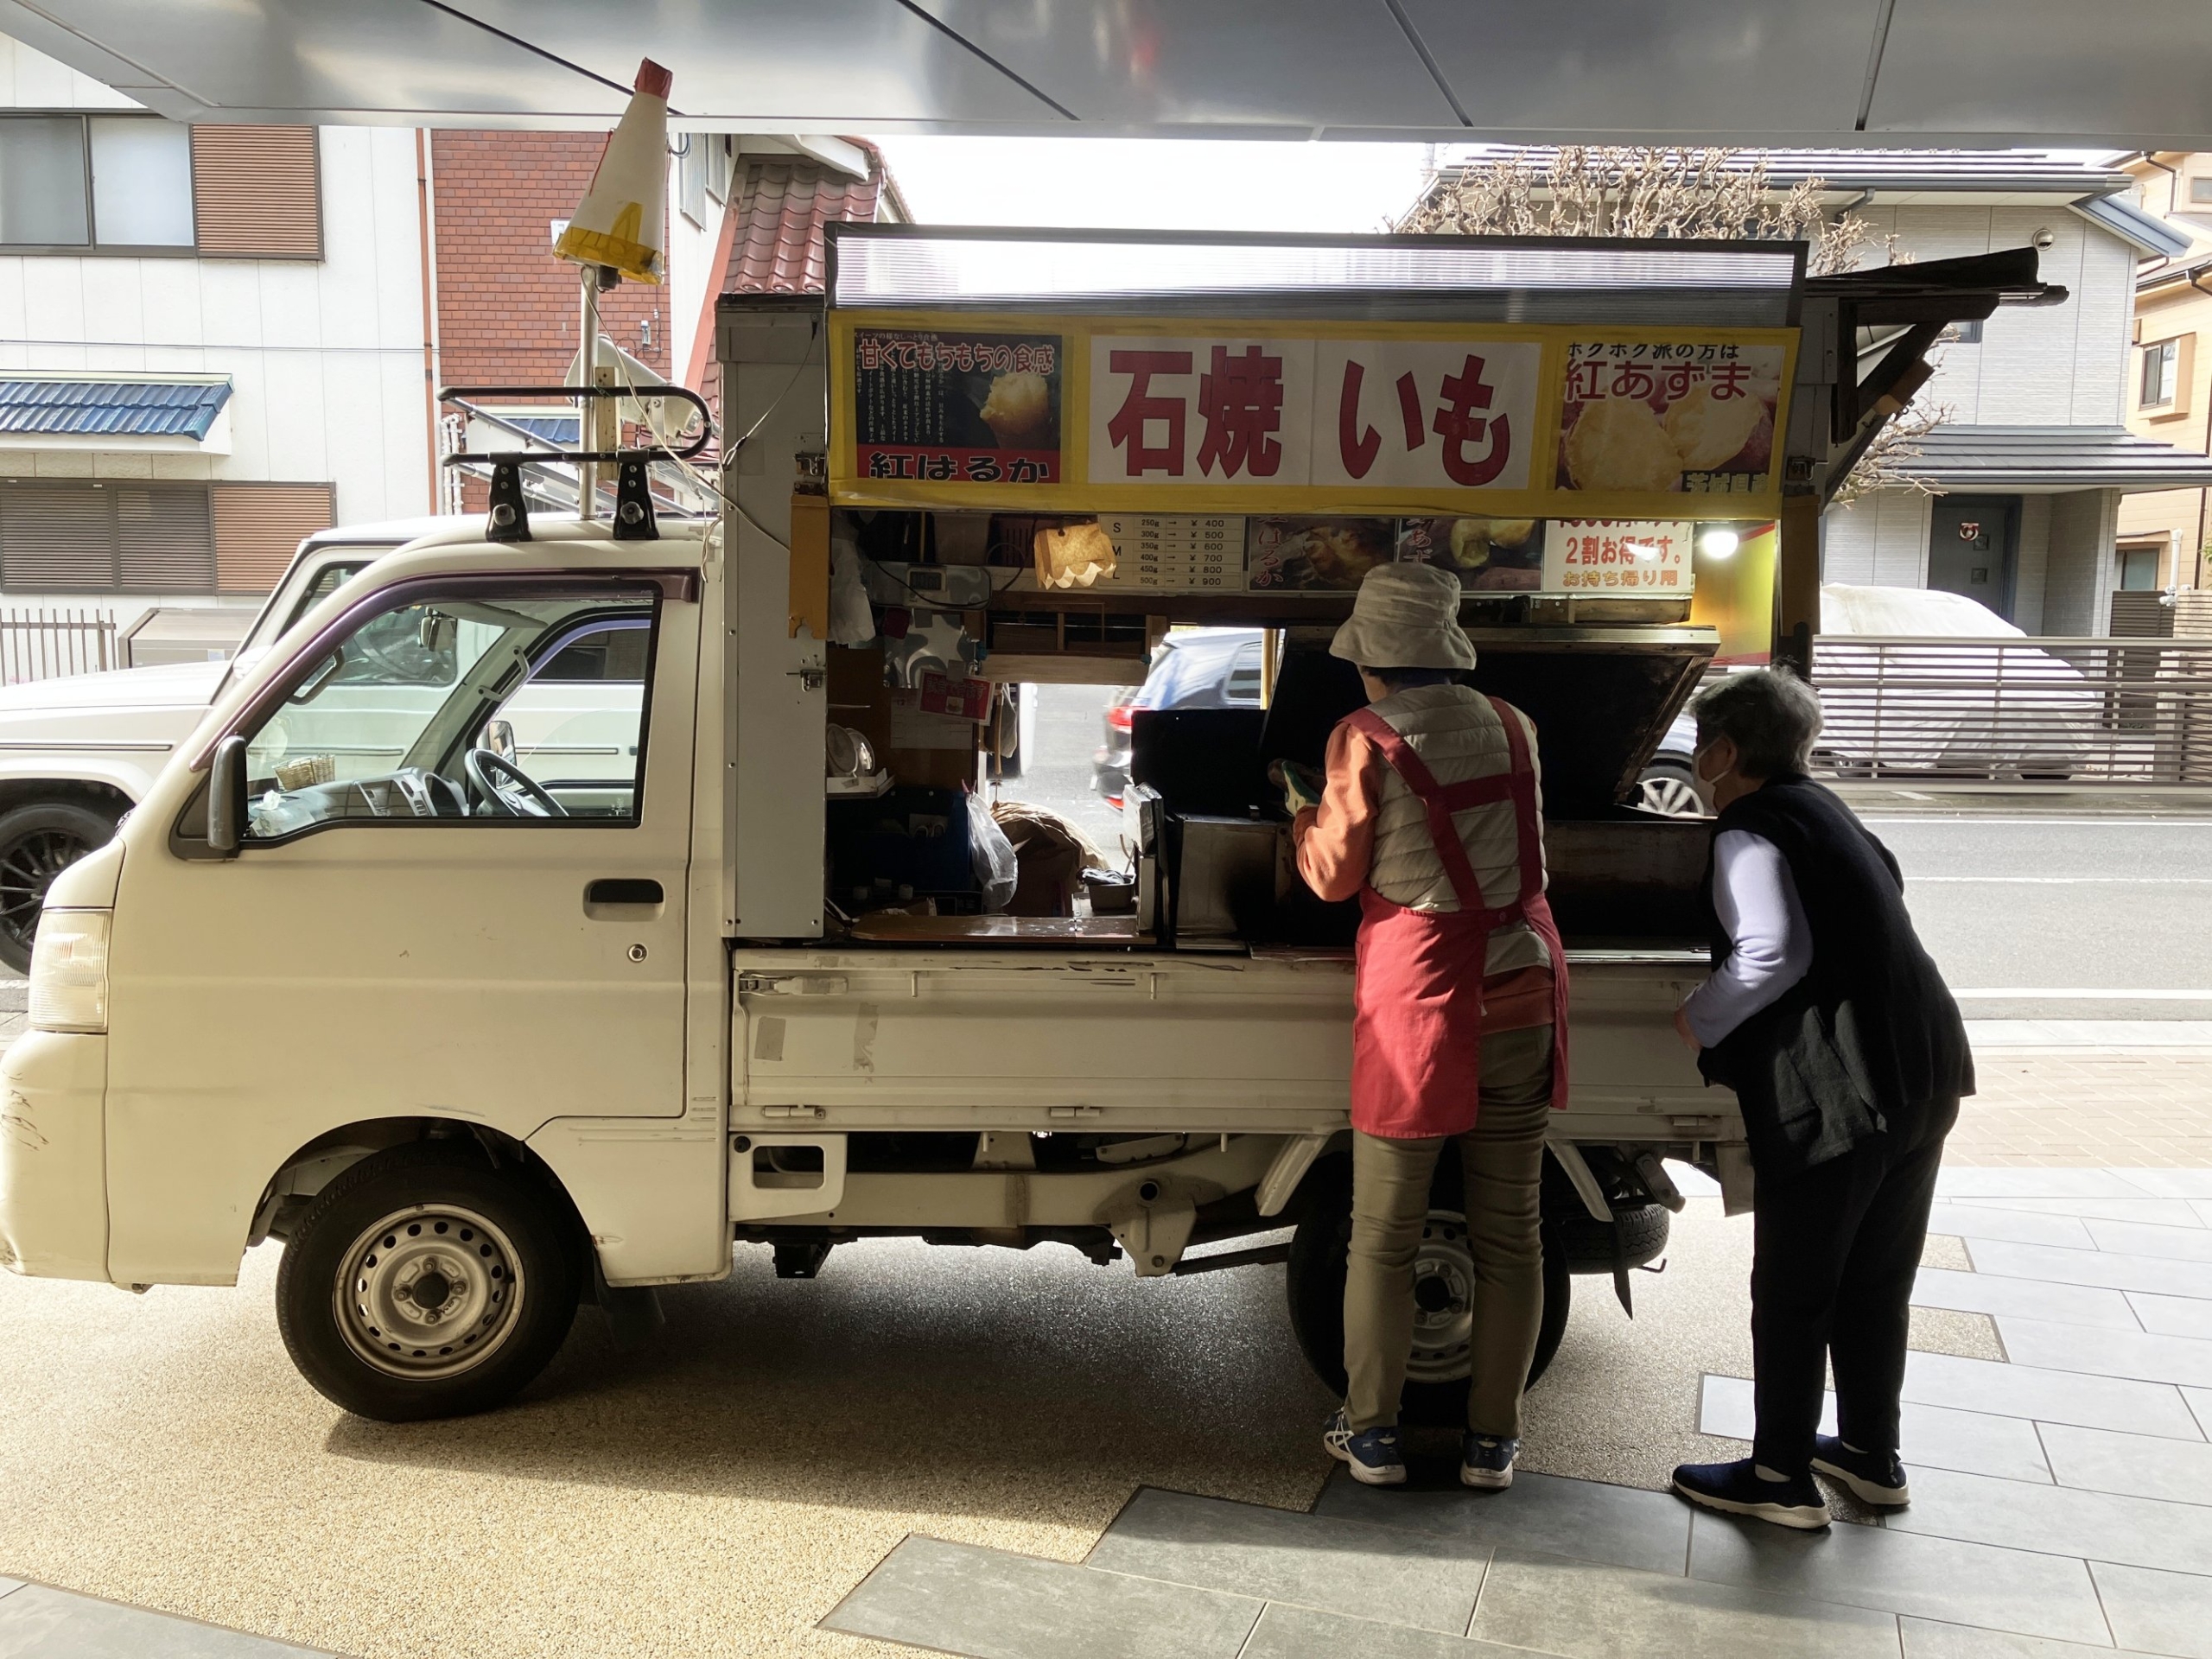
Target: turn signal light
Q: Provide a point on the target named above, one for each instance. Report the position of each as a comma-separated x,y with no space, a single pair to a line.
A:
68,988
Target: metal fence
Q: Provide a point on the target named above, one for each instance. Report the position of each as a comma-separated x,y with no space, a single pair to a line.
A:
46,645
2131,712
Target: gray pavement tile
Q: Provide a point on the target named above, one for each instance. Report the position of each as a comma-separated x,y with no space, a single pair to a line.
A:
1978,1442
2172,1316
2168,1212
2047,1396
1588,1520
1607,1612
1388,1575
2170,1183
992,1604
1985,1293
1903,1573
2136,1354
2143,1238
2159,1612
38,1622
1927,1639
8,1585
2057,1520
2204,1208
2099,1460
2020,1226
2112,1269
2200,1401
1302,1633
1956,1183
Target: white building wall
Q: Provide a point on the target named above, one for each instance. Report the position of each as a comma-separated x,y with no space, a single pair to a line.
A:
2077,595
324,357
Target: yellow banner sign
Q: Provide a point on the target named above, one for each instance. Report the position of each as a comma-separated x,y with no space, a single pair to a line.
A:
1062,414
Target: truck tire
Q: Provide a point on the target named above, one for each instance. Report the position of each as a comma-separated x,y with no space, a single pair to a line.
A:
422,1283
1588,1243
38,840
1436,1378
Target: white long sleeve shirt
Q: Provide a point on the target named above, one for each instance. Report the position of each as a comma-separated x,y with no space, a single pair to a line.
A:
1772,947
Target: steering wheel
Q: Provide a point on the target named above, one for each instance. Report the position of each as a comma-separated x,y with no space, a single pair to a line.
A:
509,791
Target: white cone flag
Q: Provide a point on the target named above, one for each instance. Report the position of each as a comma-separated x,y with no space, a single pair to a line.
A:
623,221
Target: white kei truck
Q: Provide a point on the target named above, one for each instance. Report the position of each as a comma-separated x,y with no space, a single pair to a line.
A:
480,1033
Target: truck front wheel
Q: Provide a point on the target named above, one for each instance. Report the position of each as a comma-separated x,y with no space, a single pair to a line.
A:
422,1283
1436,1374
38,840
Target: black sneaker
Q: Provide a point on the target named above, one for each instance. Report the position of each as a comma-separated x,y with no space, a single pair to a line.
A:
1875,1478
1486,1461
1738,1489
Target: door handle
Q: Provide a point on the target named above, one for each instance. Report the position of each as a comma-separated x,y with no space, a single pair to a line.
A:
623,890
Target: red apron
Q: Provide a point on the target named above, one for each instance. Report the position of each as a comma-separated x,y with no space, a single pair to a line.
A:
1417,1001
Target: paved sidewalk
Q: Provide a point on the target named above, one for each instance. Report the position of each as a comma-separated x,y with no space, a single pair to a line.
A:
2075,1107
39,1621
2062,1504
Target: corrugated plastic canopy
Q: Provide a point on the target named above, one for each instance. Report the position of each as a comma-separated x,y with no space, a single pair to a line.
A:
138,409
1720,284
2123,74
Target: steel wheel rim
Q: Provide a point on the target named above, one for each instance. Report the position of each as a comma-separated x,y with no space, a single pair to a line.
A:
429,1293
1444,1267
1672,796
27,870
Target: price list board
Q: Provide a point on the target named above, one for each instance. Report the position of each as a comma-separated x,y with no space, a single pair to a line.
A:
1173,553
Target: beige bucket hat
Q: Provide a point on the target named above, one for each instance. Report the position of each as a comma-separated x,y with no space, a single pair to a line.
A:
1405,616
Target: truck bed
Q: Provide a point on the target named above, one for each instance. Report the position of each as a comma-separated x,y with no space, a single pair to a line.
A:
1129,1040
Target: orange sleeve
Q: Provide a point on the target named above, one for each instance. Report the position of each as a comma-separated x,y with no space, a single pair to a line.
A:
1336,840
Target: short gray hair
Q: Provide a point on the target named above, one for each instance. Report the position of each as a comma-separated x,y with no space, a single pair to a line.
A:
1772,716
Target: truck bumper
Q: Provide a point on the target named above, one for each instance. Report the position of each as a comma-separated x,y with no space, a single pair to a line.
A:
53,1156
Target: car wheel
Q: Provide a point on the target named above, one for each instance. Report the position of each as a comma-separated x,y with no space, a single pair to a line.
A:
1588,1243
1437,1370
37,842
1666,787
422,1283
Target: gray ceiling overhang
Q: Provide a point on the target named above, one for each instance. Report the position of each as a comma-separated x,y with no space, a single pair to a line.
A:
2125,73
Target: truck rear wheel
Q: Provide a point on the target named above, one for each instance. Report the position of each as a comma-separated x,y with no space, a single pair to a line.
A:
38,840
1436,1374
422,1283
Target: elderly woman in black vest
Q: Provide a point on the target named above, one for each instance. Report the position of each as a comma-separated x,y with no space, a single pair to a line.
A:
1832,1026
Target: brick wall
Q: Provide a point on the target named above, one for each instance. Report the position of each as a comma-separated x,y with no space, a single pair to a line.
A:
507,307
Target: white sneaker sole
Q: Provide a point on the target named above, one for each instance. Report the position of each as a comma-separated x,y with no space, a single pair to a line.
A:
1801,1516
1867,1491
1362,1474
1485,1480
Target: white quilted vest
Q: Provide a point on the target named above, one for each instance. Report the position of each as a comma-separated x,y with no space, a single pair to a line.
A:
1458,736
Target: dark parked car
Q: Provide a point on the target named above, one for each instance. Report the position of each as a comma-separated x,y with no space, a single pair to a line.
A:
1192,668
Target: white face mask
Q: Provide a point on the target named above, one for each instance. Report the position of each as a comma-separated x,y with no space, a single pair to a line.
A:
1699,781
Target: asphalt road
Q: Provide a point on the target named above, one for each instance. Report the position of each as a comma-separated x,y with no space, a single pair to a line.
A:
2101,917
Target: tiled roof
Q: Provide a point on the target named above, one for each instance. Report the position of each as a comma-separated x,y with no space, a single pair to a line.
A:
79,408
2084,457
782,206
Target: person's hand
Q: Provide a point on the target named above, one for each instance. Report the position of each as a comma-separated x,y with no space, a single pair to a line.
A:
1683,1030
1301,786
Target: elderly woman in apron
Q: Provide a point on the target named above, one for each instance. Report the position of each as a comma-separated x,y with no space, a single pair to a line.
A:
1430,812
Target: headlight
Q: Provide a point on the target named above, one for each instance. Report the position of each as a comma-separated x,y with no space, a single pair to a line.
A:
69,971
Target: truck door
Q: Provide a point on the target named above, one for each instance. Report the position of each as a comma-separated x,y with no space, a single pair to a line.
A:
460,893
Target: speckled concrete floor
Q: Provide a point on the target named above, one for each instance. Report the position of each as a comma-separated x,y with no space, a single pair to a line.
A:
717,1492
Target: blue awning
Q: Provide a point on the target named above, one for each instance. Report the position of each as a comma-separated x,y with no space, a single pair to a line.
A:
138,409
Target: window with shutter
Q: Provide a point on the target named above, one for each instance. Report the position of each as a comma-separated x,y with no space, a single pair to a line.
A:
256,194
81,537
259,526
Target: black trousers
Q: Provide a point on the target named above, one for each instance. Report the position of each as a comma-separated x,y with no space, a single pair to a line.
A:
1836,1248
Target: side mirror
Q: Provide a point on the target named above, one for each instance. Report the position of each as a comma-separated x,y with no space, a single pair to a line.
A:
226,797
499,738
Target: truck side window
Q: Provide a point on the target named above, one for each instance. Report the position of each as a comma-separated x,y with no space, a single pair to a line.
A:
483,705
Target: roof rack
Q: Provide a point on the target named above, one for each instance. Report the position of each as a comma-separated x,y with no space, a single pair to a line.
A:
633,521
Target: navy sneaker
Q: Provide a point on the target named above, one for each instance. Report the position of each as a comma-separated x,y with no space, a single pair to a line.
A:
1739,1488
1875,1478
1372,1455
1486,1462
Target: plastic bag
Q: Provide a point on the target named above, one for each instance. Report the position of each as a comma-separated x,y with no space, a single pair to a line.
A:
992,856
851,620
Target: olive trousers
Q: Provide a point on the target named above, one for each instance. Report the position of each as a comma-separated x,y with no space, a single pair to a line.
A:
1502,1159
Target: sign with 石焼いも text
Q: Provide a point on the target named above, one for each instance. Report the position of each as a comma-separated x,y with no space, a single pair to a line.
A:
1063,413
